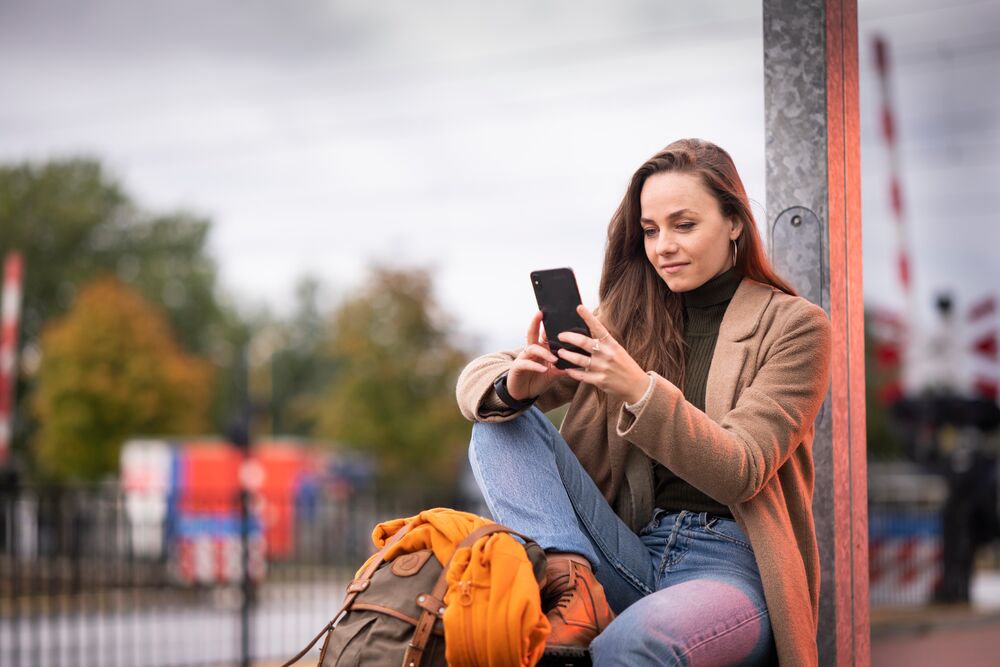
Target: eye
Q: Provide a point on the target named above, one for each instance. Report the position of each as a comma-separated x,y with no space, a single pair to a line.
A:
649,232
685,225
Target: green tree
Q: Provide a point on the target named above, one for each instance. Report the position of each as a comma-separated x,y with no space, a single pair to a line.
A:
112,370
882,439
393,392
63,217
300,369
72,222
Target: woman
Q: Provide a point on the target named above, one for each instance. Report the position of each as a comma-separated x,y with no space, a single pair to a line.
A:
682,475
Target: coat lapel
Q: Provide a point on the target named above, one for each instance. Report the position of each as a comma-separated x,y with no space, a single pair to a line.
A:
739,324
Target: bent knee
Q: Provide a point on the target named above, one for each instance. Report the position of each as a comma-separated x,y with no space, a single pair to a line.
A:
628,643
682,627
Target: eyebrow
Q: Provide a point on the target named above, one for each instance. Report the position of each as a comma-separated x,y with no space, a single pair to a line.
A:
684,212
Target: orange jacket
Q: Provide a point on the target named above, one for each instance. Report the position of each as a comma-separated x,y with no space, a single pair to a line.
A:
493,615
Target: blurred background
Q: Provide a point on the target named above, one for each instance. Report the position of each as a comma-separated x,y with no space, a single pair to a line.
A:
249,246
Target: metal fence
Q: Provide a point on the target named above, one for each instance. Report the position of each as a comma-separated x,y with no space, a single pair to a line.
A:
94,576
905,543
90,576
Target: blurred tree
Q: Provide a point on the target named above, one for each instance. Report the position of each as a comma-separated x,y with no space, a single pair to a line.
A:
72,222
63,217
300,368
393,393
111,370
882,371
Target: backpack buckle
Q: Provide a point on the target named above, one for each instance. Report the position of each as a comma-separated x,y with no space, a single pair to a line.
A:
358,585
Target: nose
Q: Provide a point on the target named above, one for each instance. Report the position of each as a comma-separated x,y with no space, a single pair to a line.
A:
666,244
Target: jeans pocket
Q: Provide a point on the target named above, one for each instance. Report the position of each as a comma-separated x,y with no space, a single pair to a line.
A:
727,530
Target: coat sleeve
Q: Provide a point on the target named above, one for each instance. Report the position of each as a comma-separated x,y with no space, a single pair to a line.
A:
479,402
733,459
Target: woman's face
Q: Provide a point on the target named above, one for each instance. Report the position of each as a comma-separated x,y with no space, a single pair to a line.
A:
687,239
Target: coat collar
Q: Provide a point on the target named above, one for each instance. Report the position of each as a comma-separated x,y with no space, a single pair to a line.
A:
745,310
739,324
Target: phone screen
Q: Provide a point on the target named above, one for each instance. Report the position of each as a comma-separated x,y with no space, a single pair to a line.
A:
558,296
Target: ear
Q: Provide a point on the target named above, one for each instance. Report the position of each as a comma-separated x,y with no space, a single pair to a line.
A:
736,228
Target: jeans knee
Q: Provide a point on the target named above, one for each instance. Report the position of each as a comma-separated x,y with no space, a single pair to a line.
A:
628,643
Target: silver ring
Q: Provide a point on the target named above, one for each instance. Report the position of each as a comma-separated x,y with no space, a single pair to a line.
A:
597,347
590,360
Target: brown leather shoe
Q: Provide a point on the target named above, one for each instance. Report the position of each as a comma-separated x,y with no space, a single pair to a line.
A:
574,601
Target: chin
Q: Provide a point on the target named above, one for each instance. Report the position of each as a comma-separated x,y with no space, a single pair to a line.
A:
677,285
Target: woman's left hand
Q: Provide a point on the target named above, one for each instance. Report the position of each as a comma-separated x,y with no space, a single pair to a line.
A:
609,367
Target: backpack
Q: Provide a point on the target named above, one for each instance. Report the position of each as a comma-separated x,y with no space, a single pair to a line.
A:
400,603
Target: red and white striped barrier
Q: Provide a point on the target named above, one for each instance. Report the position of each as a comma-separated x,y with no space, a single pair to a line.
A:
904,570
983,325
217,559
889,135
9,317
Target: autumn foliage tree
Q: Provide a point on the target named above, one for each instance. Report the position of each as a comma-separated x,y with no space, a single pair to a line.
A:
110,370
393,392
72,221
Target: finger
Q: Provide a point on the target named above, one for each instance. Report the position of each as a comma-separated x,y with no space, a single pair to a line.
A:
536,322
529,365
540,352
581,360
578,339
581,376
597,330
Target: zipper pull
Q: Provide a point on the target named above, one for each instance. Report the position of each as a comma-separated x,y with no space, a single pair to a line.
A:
465,593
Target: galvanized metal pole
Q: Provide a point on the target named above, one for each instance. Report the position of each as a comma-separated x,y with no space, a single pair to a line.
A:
814,232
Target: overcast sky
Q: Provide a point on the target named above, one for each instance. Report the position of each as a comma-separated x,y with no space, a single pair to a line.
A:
479,140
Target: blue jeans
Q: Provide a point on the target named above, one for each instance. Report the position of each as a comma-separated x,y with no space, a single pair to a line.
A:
686,589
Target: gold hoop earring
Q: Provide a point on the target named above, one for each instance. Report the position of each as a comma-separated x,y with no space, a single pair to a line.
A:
734,253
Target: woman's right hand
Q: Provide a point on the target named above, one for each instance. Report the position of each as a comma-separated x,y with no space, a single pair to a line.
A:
534,368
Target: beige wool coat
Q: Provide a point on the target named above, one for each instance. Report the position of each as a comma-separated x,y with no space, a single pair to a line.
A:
751,449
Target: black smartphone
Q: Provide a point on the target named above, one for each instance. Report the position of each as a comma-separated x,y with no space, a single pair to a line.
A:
558,296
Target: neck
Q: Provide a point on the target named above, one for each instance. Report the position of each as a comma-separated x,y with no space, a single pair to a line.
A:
719,289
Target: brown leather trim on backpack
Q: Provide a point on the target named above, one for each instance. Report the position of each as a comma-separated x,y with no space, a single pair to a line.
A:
357,586
415,650
408,565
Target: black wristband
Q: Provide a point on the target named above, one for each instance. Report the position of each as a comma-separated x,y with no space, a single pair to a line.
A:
500,387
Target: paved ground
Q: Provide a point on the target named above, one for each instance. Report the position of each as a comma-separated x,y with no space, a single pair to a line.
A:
965,636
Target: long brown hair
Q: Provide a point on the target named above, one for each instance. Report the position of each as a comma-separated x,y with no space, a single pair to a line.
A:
637,307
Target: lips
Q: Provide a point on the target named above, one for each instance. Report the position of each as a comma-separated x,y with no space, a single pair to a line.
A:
673,268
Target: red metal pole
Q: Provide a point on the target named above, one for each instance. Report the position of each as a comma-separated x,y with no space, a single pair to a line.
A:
849,458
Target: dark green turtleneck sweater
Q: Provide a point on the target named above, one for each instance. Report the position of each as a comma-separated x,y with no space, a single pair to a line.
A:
703,311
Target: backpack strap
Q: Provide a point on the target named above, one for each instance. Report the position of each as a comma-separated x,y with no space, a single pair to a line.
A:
357,586
433,603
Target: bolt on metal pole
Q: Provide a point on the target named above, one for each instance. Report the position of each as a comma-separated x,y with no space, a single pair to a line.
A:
814,235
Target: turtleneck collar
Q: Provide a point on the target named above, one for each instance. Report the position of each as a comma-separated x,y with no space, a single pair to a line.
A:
719,289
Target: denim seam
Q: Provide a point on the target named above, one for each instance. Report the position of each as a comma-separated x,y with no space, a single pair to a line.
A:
668,560
719,635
